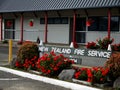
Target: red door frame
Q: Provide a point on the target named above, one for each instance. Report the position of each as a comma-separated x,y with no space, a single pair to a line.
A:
21,22
46,26
74,27
109,22
1,27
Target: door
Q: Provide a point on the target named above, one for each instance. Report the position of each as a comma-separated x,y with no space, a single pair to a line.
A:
80,30
9,32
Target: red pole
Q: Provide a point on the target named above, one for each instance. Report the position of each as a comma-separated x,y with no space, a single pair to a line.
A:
46,26
21,21
109,22
0,27
74,27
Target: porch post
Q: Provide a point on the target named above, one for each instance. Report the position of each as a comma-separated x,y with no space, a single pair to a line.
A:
1,27
74,27
46,26
109,22
21,22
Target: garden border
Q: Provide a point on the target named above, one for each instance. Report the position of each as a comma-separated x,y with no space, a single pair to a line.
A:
65,84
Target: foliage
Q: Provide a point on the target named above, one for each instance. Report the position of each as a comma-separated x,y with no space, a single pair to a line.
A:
113,63
27,51
27,64
100,74
52,64
103,43
19,42
116,47
84,74
91,45
93,75
5,41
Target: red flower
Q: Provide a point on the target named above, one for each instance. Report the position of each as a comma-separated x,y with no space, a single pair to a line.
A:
55,68
49,71
52,64
52,53
89,80
18,64
77,74
91,45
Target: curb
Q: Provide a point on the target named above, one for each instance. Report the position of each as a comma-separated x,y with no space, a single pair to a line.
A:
61,83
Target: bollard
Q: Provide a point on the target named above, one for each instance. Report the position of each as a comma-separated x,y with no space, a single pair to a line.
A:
10,51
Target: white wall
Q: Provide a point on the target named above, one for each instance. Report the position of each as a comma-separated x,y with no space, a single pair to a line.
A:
30,33
58,33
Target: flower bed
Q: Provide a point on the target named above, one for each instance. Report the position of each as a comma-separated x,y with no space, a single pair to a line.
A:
52,64
94,75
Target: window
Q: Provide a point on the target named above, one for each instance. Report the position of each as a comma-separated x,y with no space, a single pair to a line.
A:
115,23
101,24
62,20
9,23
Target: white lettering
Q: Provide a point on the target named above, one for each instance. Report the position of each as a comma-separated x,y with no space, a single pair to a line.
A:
99,53
61,50
43,49
79,52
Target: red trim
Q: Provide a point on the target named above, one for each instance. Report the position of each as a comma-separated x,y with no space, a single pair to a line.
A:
21,21
74,27
109,22
0,27
46,26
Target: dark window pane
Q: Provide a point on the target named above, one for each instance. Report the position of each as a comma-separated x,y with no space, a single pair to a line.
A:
58,20
103,25
95,25
64,21
114,23
80,37
50,21
42,21
81,24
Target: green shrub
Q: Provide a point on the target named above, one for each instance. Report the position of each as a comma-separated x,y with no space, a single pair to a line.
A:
28,50
113,63
5,41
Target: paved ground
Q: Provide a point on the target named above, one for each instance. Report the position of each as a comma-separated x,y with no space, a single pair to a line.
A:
13,82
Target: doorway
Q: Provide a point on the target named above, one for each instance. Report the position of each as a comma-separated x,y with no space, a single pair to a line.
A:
80,33
9,26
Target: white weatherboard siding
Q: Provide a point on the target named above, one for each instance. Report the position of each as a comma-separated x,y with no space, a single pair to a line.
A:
29,33
58,33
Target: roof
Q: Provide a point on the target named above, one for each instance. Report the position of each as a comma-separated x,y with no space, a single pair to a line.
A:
44,5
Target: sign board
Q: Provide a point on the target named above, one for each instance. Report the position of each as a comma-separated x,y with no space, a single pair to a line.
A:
76,51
